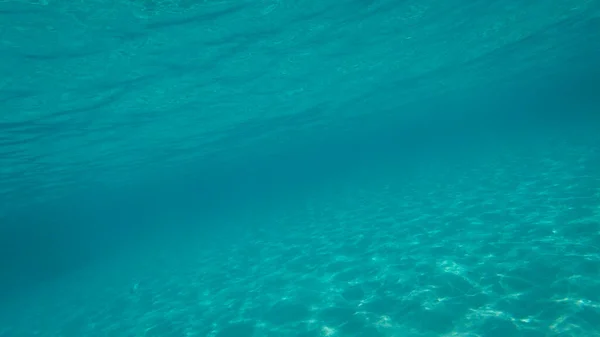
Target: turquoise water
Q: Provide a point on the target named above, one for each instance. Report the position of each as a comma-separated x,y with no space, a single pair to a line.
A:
277,168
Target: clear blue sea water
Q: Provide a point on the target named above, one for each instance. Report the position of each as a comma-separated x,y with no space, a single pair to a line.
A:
373,168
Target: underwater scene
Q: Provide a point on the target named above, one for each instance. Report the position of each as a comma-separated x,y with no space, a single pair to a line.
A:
359,168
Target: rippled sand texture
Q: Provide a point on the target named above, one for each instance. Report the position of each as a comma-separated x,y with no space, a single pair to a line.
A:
504,245
103,92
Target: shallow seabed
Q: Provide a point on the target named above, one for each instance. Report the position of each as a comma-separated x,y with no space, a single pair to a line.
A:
499,244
